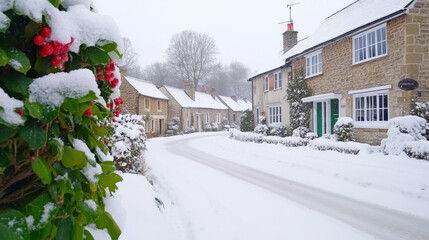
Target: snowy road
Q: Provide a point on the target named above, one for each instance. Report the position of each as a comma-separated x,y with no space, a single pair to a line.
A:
369,220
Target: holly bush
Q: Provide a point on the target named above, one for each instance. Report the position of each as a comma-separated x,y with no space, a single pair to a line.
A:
54,165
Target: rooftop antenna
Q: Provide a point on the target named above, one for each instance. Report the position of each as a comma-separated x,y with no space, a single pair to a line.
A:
290,22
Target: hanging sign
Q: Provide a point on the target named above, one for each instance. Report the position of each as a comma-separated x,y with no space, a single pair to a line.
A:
408,84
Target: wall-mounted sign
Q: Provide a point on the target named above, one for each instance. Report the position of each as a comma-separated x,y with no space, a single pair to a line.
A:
408,84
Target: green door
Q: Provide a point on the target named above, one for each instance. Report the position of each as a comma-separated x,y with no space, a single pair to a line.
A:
334,113
319,120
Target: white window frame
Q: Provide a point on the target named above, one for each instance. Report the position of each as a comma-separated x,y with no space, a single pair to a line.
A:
217,117
266,83
153,125
277,80
207,117
274,114
313,64
363,121
258,113
370,44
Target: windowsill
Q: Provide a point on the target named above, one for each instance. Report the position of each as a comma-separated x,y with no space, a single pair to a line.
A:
369,60
315,75
277,89
380,125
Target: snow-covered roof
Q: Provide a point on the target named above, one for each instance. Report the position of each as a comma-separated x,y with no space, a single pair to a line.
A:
246,105
145,88
202,100
356,15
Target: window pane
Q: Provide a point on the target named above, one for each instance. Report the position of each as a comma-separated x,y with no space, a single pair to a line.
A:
385,101
386,114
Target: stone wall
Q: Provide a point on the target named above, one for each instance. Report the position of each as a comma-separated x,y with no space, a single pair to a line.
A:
129,95
407,57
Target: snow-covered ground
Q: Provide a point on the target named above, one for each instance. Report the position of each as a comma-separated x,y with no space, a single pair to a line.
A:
201,202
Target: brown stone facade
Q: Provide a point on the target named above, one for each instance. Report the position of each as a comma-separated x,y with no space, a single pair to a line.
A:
407,57
129,95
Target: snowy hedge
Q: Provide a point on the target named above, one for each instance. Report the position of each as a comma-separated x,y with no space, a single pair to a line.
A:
406,134
324,144
343,129
260,138
59,89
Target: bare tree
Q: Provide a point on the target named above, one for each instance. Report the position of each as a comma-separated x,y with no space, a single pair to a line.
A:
130,56
160,74
192,55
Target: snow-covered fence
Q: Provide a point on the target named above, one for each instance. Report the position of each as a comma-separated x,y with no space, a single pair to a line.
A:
323,144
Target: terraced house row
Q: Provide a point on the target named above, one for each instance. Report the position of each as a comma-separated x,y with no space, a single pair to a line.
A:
368,61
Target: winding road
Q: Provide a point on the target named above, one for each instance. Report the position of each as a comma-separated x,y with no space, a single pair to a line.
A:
377,221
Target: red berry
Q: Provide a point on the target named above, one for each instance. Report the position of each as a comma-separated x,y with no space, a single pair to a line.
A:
108,77
92,103
71,41
63,67
45,50
20,112
108,105
39,40
55,62
45,32
113,120
64,57
88,112
98,71
114,83
101,126
65,49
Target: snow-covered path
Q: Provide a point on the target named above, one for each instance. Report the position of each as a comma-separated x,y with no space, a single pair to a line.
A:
327,214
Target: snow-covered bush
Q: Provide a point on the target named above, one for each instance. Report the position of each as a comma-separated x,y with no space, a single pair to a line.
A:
59,88
208,127
245,136
280,130
343,129
246,121
297,90
324,144
261,129
190,129
174,124
225,124
403,131
421,109
300,132
311,135
128,143
215,127
260,138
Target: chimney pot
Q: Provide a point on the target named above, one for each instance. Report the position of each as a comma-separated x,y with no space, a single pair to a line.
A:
290,37
213,92
203,88
189,88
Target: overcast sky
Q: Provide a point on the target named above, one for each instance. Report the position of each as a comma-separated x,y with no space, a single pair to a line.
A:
245,31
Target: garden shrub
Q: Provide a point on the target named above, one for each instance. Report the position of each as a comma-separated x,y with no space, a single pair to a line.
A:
174,125
215,127
300,132
280,130
225,124
128,143
59,89
343,129
421,109
246,121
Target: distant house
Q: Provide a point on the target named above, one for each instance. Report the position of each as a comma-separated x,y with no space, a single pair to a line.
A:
143,98
196,110
235,108
358,62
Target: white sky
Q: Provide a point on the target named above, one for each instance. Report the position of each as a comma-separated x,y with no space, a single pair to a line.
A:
245,31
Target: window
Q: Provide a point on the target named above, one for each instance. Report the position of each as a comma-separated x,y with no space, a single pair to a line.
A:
218,117
278,80
146,103
159,106
257,115
266,83
314,64
370,108
275,114
233,117
207,117
370,44
153,125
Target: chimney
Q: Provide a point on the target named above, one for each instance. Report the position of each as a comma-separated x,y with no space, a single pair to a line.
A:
189,88
245,99
203,88
234,98
124,71
213,93
290,37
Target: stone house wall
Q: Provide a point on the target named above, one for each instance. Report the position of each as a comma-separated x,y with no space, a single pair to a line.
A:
129,95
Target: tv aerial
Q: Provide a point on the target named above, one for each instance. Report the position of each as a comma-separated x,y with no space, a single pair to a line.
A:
290,13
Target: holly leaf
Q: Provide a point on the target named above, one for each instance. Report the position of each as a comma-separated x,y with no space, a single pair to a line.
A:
35,109
56,3
18,83
4,59
13,225
105,221
107,45
109,181
18,60
5,133
95,55
40,167
73,159
42,210
34,135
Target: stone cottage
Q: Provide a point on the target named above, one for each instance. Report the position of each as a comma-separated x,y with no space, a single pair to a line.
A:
368,61
197,111
235,108
143,98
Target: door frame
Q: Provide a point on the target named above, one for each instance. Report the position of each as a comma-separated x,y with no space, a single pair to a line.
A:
326,116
